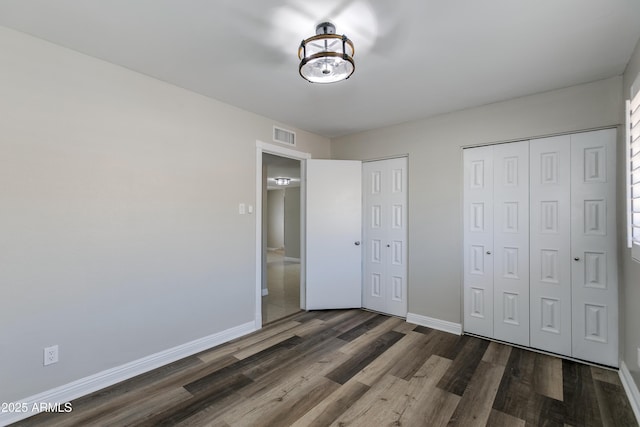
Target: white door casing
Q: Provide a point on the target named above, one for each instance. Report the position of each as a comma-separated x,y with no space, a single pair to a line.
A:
333,224
478,240
593,247
384,287
263,147
511,242
550,231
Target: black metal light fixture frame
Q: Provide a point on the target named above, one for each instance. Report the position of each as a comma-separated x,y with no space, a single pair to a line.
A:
326,57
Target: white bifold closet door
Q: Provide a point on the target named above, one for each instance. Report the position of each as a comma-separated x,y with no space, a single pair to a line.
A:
540,265
496,242
478,241
511,242
574,297
385,236
551,244
593,247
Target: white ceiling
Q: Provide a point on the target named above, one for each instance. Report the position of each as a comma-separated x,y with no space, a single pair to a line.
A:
414,58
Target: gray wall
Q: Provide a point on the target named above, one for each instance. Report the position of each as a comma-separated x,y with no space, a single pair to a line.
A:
292,222
275,219
119,226
434,147
630,274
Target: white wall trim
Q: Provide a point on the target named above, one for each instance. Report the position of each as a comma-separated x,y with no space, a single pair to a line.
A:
258,308
430,322
630,388
283,151
92,383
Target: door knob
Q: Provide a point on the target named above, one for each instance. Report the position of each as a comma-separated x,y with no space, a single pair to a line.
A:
357,243
576,259
488,252
388,246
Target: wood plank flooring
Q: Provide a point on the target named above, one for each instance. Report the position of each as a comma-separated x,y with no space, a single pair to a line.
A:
356,368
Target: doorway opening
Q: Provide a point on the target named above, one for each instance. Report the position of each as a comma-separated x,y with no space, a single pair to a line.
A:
281,237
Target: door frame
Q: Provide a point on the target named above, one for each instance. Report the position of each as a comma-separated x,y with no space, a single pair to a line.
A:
264,147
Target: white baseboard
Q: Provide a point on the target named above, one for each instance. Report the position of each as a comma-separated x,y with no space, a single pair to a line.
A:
107,378
430,322
265,292
630,388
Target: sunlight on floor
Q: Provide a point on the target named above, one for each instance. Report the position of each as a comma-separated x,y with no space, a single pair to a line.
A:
283,282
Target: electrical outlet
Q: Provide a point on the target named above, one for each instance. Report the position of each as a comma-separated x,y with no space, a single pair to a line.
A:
50,355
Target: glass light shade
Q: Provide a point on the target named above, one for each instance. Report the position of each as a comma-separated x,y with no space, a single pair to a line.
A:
283,181
326,57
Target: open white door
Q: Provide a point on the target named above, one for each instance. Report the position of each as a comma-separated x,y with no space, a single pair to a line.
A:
334,216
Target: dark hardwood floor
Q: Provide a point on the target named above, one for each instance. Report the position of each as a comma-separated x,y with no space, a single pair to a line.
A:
354,367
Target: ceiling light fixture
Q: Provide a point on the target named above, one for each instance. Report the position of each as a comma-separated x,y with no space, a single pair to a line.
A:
326,57
283,181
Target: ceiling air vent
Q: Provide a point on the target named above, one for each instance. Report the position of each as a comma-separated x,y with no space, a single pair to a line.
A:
284,136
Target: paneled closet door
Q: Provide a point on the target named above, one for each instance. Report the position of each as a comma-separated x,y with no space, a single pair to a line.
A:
478,240
397,237
385,236
374,236
550,228
594,261
511,242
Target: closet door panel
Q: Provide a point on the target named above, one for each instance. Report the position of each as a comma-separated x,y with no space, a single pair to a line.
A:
478,241
550,233
375,236
511,242
396,245
594,264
